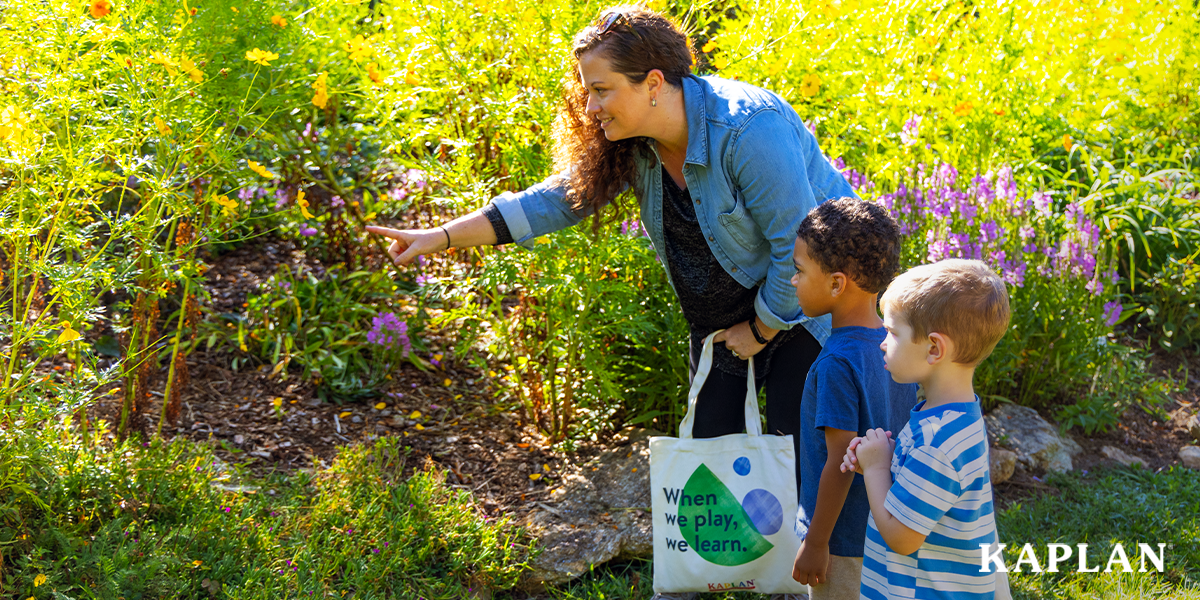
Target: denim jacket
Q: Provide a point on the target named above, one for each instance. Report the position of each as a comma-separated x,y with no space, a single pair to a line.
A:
754,171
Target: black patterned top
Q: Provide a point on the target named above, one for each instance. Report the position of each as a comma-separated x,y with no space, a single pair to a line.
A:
711,299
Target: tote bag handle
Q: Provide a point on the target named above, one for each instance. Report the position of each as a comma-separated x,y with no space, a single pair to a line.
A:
753,424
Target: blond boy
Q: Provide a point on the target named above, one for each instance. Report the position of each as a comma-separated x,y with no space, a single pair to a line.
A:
929,490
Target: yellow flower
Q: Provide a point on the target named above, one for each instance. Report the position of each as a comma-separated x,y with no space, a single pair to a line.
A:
189,67
811,85
196,563
381,406
709,47
39,580
162,126
374,74
321,97
234,9
419,427
103,34
344,414
1067,142
261,57
410,77
261,170
279,21
358,48
167,62
100,8
447,383
67,335
229,207
416,414
303,204
278,402
535,476
963,109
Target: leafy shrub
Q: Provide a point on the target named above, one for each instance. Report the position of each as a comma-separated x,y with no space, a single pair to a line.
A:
333,326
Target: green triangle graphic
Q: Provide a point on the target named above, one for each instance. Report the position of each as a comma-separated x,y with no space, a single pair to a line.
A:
714,523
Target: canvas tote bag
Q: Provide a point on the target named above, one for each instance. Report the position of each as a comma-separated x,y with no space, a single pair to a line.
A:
724,508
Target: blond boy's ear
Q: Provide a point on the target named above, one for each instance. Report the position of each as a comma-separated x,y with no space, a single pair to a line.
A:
940,348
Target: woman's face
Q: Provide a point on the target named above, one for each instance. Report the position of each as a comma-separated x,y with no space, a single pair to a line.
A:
620,107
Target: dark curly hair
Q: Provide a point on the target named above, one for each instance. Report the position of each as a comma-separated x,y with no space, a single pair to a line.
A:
640,41
854,237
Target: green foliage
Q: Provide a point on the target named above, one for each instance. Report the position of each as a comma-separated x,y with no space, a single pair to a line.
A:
594,322
172,520
1121,381
322,323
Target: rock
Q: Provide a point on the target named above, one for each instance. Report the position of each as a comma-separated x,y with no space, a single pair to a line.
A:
1116,454
1193,427
1036,442
1190,455
1001,465
603,513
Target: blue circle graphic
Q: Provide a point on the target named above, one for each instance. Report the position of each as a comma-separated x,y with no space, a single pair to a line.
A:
741,466
764,511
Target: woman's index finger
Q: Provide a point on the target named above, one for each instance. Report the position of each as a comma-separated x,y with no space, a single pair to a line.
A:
385,231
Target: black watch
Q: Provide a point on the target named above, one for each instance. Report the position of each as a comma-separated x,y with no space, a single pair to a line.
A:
758,337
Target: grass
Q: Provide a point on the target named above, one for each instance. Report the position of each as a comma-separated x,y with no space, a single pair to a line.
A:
169,520
1099,508
162,520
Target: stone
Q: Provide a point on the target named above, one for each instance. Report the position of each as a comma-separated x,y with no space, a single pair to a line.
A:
1001,464
602,513
1193,427
1036,442
1190,455
1118,455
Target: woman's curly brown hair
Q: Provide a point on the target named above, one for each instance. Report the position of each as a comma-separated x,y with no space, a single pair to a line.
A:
854,237
638,42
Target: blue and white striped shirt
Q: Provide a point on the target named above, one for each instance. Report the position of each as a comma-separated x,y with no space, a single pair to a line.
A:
942,489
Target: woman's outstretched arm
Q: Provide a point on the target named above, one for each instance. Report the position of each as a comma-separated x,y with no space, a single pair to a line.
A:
473,229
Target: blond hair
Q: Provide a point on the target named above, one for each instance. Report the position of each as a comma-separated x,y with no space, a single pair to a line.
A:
961,299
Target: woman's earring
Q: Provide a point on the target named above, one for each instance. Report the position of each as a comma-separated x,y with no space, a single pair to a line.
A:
654,102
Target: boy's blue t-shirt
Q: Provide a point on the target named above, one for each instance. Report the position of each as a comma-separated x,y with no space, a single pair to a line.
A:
847,388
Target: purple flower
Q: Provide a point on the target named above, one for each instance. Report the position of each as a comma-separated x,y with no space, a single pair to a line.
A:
336,201
246,194
839,163
911,131
388,331
308,132
307,230
416,178
1041,202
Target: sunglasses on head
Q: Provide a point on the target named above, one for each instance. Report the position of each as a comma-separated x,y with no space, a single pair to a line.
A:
607,24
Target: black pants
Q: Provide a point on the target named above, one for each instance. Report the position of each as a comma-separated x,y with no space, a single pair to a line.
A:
720,408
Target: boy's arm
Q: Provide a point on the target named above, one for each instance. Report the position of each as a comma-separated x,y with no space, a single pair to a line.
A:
874,457
812,560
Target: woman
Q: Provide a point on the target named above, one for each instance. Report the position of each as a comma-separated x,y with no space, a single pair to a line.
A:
723,172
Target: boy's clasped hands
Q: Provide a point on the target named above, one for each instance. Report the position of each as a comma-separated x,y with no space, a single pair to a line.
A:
874,448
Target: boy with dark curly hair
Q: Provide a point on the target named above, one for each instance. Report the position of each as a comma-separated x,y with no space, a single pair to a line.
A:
846,253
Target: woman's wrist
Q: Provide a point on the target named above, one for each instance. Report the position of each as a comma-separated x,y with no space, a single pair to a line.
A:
762,333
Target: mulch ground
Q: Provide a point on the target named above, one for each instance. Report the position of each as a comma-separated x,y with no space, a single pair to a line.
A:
451,415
